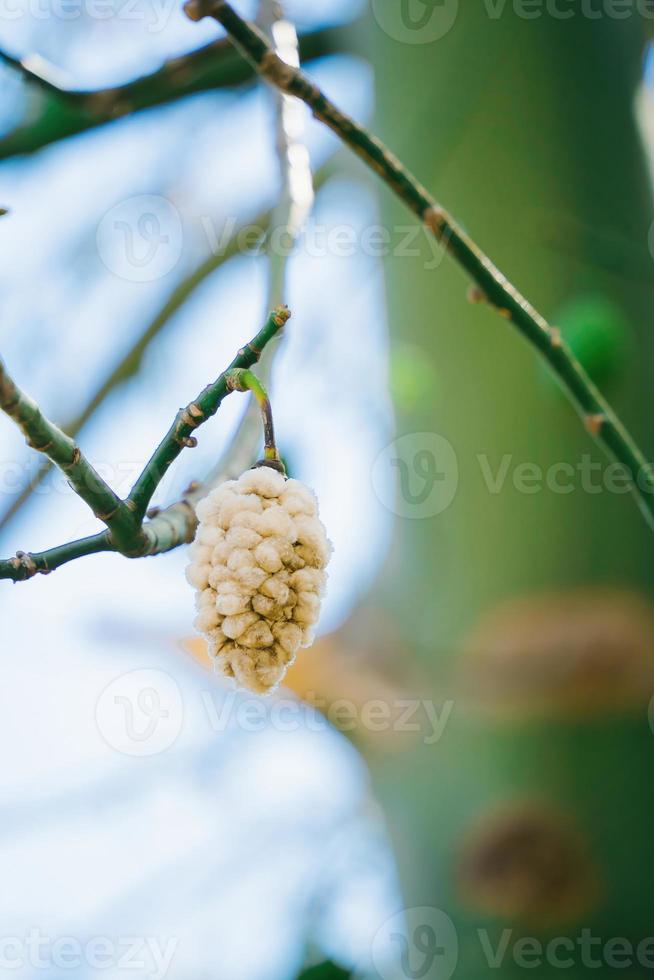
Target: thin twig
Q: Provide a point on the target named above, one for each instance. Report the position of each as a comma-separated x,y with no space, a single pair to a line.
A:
598,416
130,363
169,528
297,193
65,112
44,78
240,379
196,413
296,198
25,566
47,438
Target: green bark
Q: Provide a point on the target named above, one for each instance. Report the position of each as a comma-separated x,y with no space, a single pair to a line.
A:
525,130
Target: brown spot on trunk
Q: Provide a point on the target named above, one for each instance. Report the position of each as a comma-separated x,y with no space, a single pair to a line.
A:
572,654
529,865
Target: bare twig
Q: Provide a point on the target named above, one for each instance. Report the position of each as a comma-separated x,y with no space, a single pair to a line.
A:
45,437
65,112
287,224
190,418
130,363
167,528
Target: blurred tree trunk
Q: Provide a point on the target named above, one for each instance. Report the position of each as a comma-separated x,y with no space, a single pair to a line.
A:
532,811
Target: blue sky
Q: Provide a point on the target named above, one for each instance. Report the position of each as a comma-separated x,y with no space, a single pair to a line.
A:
240,845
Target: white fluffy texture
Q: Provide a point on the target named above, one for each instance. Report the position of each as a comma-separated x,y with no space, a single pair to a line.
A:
258,564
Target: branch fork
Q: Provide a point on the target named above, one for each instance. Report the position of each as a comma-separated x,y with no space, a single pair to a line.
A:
127,530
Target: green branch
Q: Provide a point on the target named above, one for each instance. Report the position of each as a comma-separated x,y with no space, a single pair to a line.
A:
26,565
296,198
45,437
240,379
166,529
130,363
188,419
598,417
64,112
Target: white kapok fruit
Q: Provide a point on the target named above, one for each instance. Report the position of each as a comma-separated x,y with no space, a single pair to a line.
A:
258,564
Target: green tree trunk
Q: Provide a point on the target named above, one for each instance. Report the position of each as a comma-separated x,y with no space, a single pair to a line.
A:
532,812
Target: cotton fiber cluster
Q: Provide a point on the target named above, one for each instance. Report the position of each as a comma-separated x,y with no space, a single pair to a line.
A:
258,563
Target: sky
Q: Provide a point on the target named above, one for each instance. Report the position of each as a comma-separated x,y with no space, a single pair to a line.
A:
141,802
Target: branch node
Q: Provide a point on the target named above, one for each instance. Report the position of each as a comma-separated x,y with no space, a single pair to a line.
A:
276,71
105,518
40,449
199,9
476,295
192,416
25,563
234,380
435,218
595,423
555,337
280,315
